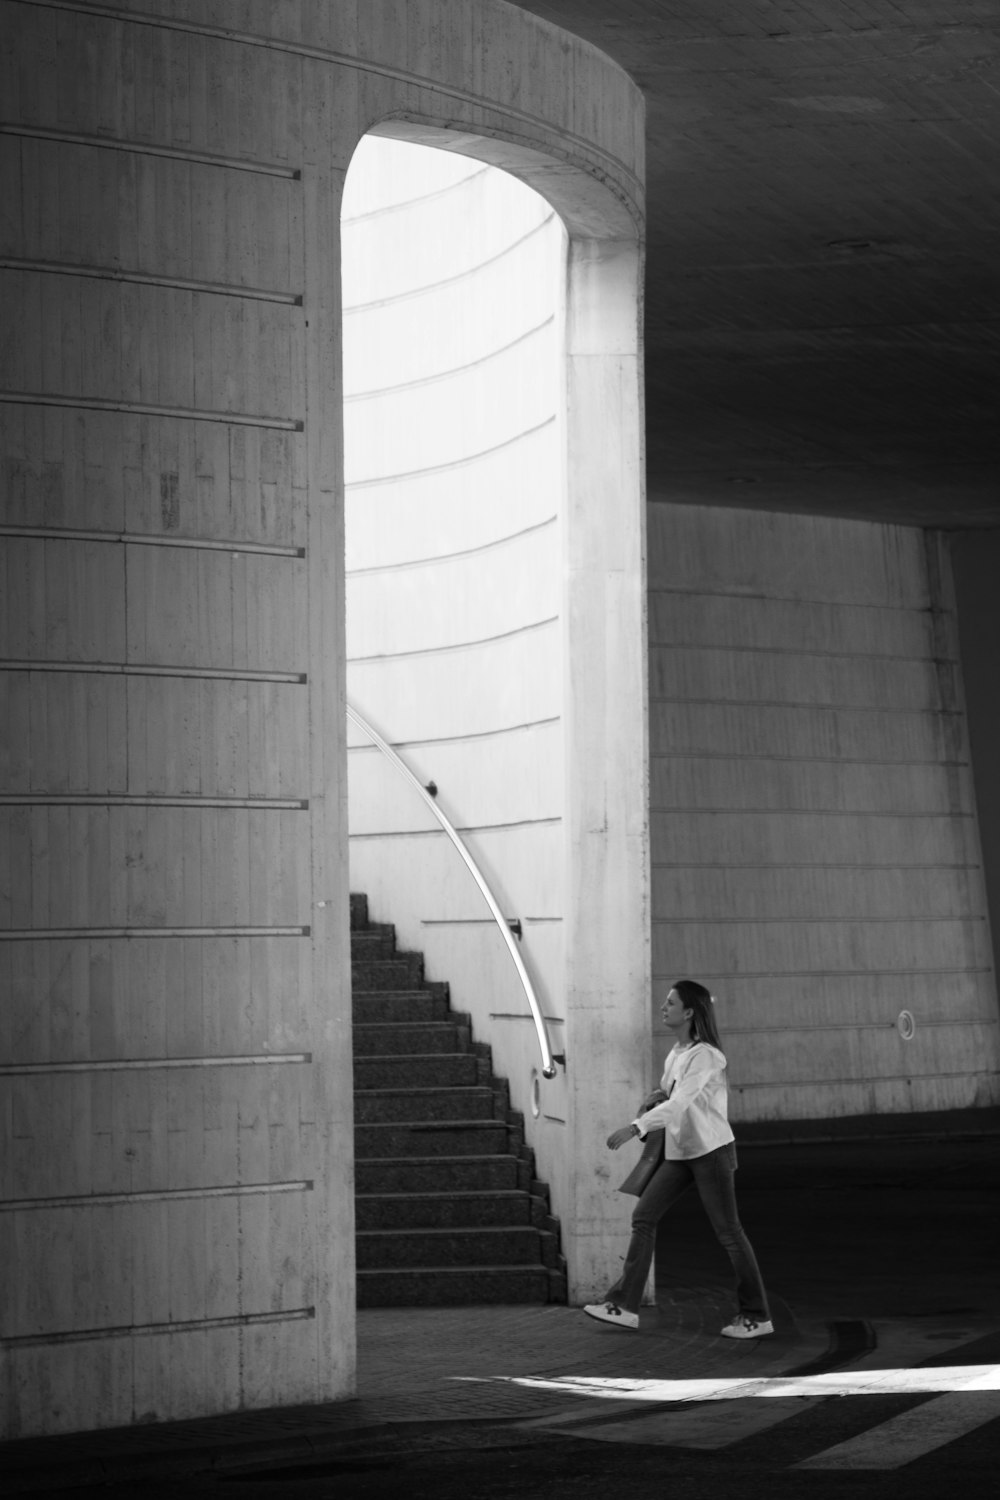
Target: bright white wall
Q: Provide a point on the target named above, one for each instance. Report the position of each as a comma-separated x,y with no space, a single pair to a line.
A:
453,366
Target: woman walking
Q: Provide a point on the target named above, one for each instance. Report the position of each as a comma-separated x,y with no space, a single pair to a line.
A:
698,1147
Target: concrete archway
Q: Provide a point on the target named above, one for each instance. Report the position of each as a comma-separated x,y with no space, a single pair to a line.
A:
581,880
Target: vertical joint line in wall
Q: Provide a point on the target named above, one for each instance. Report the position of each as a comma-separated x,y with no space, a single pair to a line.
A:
240,1342
944,598
128,705
940,590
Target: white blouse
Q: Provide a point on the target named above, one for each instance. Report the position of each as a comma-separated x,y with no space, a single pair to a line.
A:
694,1118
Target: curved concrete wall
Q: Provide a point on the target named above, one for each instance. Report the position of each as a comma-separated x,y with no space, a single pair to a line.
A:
816,854
454,299
176,1213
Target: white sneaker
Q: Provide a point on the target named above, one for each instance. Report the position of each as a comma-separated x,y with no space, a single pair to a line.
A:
746,1327
610,1312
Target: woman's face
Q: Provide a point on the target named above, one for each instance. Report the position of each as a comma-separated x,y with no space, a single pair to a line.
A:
674,1012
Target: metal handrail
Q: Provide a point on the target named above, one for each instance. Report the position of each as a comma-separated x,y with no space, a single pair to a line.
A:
549,1059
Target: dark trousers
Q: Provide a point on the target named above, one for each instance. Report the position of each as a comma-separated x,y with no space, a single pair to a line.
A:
712,1175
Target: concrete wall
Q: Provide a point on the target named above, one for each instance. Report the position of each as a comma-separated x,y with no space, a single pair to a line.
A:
176,1213
815,847
454,298
177,1218
975,557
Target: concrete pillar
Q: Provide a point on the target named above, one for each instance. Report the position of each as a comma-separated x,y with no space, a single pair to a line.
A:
607,804
177,1215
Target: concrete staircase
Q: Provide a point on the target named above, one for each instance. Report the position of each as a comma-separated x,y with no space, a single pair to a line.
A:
449,1210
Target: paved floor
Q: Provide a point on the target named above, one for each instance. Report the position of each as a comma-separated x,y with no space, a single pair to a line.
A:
881,1257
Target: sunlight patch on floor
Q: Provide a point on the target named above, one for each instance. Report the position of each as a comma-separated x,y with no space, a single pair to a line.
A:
839,1383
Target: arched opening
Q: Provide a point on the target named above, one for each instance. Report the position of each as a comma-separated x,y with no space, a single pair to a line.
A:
495,623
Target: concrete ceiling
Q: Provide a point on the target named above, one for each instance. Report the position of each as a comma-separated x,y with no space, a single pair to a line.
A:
823,274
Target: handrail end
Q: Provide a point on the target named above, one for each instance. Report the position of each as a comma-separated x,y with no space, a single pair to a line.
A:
550,1070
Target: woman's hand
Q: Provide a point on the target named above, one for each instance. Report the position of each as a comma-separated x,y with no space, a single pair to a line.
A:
619,1137
651,1100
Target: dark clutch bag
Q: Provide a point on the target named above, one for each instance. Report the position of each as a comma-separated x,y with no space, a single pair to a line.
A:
652,1155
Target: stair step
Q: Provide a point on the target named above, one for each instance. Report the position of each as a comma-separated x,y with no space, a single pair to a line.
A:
453,1286
394,1038
405,971
497,1245
374,942
437,1174
410,1106
456,1138
443,1176
401,1005
431,1070
442,1210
